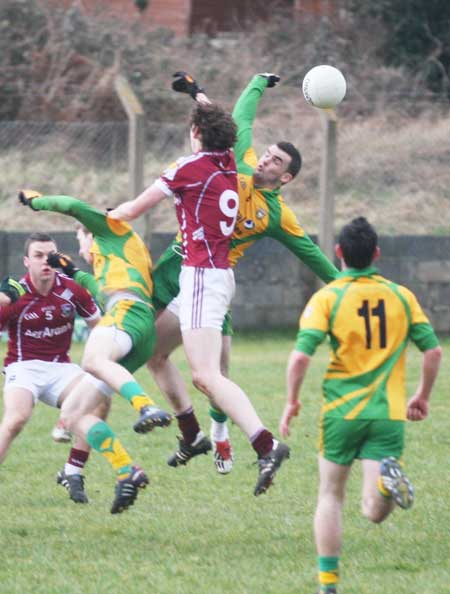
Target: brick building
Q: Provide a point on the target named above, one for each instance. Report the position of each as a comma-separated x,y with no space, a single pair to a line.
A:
185,17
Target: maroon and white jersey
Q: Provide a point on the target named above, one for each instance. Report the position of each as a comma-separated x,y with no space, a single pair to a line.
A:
204,187
40,327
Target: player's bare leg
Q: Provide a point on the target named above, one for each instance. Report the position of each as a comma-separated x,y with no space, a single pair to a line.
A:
193,441
328,520
220,438
71,476
60,433
203,347
165,373
100,358
374,506
17,409
130,477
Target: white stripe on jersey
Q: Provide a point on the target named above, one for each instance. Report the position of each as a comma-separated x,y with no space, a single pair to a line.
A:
66,294
19,328
161,184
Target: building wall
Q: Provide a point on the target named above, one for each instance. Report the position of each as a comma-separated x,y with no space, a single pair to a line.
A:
273,286
173,14
184,17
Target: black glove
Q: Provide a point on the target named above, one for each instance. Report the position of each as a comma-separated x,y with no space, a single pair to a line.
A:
63,261
26,197
272,79
11,288
184,83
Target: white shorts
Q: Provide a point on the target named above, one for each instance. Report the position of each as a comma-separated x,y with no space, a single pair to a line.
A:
204,298
46,380
103,387
120,337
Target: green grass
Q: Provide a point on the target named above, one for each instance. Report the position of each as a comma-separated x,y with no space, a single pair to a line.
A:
196,532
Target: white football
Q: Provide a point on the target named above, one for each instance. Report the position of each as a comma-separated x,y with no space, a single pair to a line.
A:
324,86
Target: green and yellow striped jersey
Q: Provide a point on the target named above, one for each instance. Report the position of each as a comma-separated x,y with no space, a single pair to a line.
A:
262,211
121,261
369,321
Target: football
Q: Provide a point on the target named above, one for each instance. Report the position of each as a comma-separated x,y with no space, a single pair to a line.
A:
324,86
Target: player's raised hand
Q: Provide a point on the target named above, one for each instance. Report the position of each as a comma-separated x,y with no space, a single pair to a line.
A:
184,83
11,288
63,261
272,79
26,197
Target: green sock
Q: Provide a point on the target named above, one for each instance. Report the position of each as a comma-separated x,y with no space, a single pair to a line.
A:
217,415
102,439
328,573
135,394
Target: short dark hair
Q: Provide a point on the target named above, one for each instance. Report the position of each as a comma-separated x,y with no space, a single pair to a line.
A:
36,237
296,159
216,126
358,241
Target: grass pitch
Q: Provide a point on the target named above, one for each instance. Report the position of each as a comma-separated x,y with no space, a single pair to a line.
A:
196,532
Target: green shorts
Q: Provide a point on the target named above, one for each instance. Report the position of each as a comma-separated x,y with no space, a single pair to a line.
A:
165,276
227,326
341,441
137,319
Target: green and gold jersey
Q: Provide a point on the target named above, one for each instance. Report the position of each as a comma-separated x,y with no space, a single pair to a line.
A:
262,211
369,321
121,261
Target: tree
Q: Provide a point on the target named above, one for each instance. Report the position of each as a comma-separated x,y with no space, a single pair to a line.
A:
416,36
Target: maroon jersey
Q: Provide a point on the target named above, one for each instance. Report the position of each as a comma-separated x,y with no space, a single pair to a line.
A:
40,327
204,187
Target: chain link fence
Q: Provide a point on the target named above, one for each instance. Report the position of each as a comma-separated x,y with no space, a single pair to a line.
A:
88,160
391,167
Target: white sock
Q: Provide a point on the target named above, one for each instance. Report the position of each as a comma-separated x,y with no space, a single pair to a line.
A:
71,469
219,431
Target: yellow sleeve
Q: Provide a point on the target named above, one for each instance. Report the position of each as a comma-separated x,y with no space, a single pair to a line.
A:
417,314
316,315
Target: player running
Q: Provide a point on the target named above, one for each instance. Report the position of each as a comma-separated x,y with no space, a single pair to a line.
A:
369,321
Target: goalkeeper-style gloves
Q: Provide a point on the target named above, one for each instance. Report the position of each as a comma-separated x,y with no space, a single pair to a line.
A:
11,288
26,197
57,260
184,83
272,79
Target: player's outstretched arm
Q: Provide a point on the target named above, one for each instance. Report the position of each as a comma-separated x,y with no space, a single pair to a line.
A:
292,235
90,217
128,211
244,112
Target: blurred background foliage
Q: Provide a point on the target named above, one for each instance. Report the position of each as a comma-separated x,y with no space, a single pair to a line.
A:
59,63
